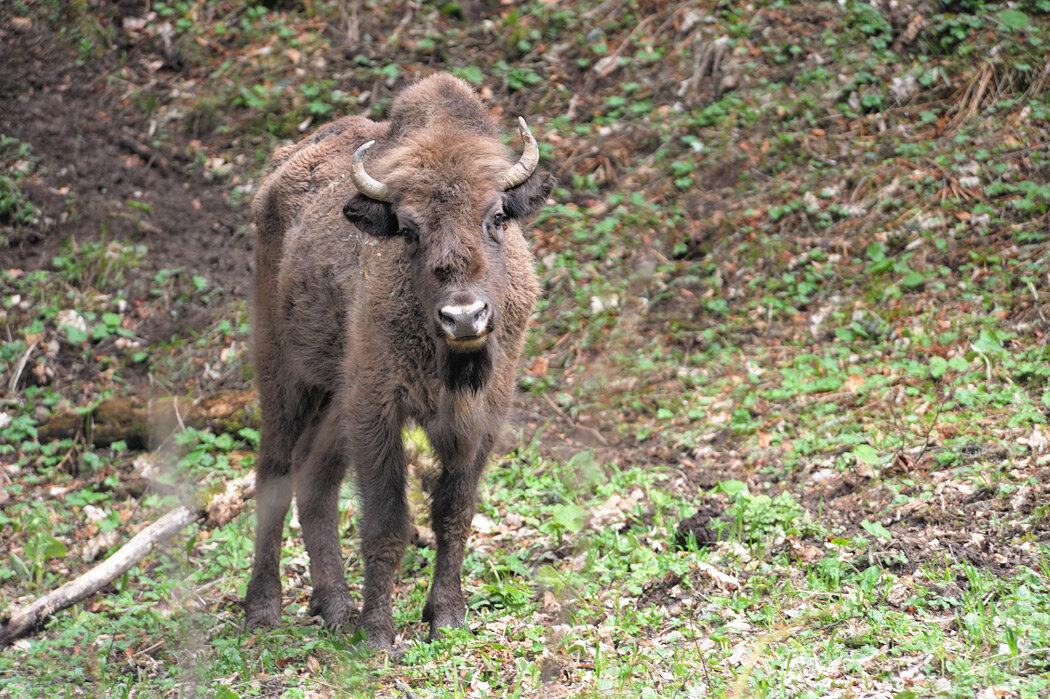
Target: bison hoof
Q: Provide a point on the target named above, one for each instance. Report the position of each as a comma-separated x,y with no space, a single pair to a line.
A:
378,628
441,619
262,612
380,640
379,636
334,607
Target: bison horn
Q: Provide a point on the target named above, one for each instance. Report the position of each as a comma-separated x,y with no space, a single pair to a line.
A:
530,156
365,183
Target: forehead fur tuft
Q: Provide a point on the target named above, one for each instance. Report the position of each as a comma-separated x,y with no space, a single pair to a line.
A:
441,161
440,98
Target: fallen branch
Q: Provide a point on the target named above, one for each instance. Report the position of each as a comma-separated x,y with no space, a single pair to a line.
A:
143,422
221,509
151,157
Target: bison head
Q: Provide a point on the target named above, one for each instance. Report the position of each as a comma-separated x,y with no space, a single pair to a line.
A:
457,202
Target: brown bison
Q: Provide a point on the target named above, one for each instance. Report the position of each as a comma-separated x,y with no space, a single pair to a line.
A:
393,285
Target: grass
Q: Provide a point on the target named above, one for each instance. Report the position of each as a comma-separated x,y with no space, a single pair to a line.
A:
805,294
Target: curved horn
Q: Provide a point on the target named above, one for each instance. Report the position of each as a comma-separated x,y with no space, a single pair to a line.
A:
530,156
365,183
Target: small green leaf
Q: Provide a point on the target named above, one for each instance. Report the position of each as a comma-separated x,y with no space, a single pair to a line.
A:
913,280
938,367
877,530
74,335
1013,19
252,435
549,575
20,568
140,205
731,488
570,517
958,364
866,453
470,73
988,343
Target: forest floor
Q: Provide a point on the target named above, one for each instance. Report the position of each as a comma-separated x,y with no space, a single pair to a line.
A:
781,426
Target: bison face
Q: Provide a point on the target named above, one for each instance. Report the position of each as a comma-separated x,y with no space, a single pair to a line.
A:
455,212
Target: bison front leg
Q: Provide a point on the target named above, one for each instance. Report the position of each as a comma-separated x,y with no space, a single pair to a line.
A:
320,464
385,525
452,509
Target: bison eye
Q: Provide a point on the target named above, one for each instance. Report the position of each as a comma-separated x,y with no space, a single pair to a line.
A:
411,236
496,225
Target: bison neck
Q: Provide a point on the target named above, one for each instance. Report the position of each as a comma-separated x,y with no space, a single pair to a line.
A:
467,372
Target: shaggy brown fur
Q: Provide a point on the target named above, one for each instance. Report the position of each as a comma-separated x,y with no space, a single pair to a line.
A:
349,345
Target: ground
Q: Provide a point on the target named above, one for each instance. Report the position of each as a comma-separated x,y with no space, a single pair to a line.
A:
781,423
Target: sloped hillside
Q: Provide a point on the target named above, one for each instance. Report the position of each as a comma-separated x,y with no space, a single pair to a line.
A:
781,428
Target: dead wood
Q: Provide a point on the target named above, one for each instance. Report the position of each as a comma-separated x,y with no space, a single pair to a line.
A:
151,157
143,422
219,510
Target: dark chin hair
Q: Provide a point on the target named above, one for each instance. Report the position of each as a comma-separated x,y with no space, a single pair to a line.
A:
467,371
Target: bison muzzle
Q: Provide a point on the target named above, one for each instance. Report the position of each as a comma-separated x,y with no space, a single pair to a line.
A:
393,285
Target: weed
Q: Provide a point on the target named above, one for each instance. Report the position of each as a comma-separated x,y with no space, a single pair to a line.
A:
18,164
97,265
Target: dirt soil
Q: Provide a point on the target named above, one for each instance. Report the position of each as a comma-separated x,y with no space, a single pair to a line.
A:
93,161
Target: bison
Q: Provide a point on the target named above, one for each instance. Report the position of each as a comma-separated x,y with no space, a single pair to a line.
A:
393,285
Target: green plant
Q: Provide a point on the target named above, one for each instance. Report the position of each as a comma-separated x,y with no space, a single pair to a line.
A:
760,517
98,265
18,164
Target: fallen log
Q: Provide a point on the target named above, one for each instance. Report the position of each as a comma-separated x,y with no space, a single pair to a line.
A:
143,422
218,511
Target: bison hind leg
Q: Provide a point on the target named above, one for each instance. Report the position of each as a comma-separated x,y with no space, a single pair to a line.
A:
320,464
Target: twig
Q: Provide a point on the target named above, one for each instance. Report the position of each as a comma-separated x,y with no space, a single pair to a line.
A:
152,648
178,416
1000,658
975,105
607,65
20,366
149,155
554,406
395,36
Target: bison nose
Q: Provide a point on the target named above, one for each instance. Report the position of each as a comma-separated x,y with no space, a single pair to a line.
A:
465,321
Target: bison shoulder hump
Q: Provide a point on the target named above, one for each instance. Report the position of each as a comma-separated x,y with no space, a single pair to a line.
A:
292,175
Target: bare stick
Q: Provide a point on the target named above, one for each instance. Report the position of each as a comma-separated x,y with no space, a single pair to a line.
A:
20,366
221,509
31,617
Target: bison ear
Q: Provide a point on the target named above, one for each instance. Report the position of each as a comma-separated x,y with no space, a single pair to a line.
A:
371,216
528,197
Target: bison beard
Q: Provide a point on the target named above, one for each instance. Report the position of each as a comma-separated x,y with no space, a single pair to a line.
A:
467,371
365,258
